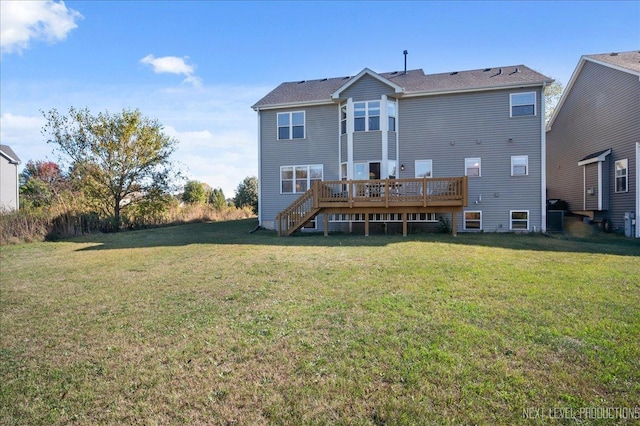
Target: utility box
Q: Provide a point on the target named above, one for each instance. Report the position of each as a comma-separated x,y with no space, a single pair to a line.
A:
629,224
555,220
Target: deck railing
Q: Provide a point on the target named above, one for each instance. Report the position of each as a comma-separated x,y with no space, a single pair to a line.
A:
380,193
396,192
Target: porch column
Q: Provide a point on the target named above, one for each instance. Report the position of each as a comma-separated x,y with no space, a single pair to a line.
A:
366,224
454,224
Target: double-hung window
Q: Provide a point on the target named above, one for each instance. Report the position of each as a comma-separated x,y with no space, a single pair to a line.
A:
621,175
391,111
298,179
519,220
519,165
366,116
291,125
473,220
523,104
472,167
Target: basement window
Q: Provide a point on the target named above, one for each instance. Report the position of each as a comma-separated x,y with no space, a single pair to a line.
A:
519,220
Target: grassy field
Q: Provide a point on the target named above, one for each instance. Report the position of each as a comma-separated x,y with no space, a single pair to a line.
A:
208,324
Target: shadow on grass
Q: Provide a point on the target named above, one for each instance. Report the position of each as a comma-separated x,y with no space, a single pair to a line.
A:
238,233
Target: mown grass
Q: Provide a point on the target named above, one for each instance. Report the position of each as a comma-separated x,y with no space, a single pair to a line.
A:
207,324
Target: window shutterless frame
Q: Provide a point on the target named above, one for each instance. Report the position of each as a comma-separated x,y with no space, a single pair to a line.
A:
473,220
522,104
291,125
519,220
473,167
298,179
622,175
519,165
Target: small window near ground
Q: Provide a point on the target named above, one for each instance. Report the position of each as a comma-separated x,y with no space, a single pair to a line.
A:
519,220
472,167
523,104
519,165
621,175
473,220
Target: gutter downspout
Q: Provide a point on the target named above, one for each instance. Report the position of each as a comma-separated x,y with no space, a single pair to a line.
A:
259,170
543,161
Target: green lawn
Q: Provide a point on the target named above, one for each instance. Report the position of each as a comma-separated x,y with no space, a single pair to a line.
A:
208,324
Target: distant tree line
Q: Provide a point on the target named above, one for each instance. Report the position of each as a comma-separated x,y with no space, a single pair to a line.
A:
115,173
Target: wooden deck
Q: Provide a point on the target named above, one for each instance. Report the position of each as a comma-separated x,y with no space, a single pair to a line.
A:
422,195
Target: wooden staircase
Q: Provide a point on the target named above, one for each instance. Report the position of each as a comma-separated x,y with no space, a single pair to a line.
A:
302,210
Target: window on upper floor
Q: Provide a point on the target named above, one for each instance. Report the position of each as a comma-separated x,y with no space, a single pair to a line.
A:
391,111
472,167
291,125
519,220
424,168
621,175
298,179
366,116
343,119
519,165
523,104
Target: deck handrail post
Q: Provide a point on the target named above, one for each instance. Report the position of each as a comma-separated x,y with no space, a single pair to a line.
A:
386,192
424,191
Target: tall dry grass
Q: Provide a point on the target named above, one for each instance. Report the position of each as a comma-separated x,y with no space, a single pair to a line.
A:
57,222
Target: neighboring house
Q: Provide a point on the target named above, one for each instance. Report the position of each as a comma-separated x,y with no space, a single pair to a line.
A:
9,183
405,148
593,140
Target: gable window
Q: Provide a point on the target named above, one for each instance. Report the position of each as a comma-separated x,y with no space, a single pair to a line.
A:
366,116
519,165
472,167
519,220
523,104
391,111
424,168
473,220
291,125
622,175
298,179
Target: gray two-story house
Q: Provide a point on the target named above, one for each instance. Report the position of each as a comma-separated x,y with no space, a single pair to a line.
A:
593,141
404,148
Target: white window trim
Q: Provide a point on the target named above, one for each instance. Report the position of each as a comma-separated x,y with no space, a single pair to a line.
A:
464,220
308,166
290,113
479,166
511,212
535,101
626,176
526,157
366,115
415,169
395,116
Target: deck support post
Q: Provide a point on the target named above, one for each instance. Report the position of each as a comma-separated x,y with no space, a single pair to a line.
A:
366,224
454,224
404,224
326,225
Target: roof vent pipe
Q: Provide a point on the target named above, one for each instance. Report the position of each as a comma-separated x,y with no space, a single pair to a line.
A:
405,53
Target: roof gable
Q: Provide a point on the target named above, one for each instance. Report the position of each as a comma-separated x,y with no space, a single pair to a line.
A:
628,62
361,74
8,153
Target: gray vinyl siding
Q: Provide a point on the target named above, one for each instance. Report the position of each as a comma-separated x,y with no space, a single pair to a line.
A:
367,89
391,147
601,111
344,149
8,185
591,184
319,147
367,146
449,128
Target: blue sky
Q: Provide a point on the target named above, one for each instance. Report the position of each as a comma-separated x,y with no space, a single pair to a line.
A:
198,66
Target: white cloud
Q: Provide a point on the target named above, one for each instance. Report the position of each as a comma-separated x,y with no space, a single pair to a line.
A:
24,21
173,65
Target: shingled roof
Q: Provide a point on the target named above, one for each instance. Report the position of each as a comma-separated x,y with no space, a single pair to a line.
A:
413,83
8,153
628,60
